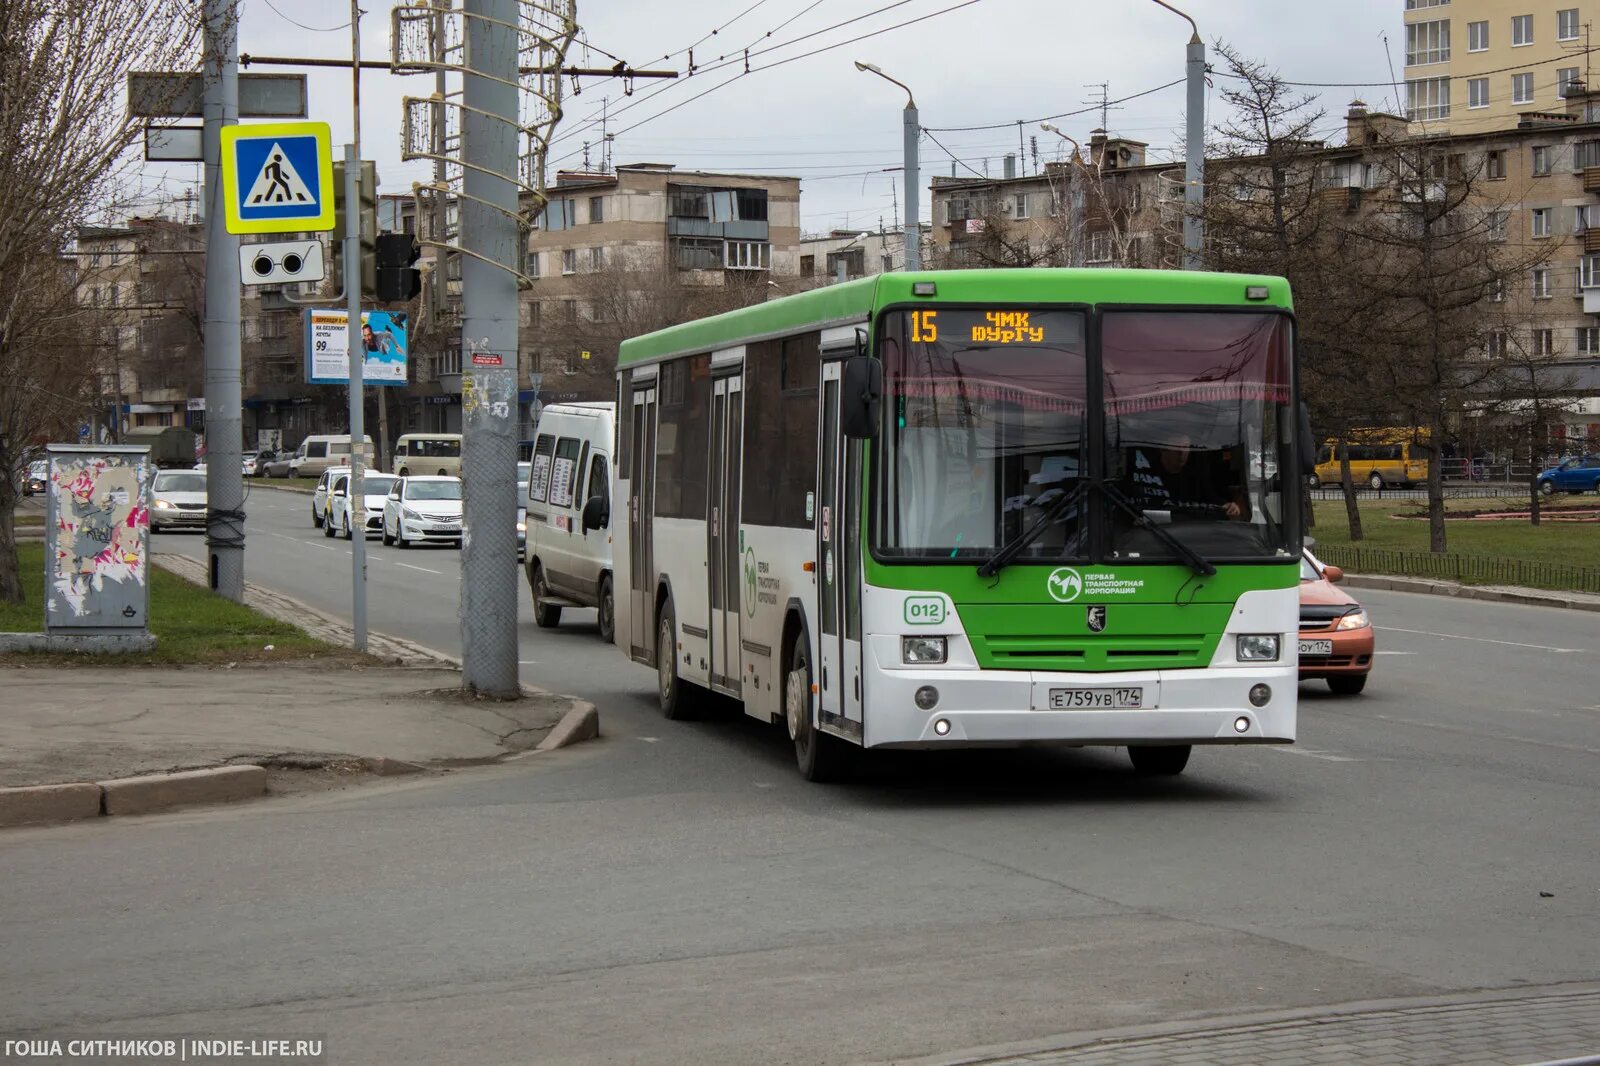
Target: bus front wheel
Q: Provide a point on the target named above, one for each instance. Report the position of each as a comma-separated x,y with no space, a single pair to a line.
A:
819,756
1159,761
673,689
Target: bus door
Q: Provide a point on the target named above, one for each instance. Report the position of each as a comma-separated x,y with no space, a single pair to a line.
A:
838,563
641,507
722,531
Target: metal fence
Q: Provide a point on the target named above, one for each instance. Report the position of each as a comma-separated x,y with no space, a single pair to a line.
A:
1469,569
1452,491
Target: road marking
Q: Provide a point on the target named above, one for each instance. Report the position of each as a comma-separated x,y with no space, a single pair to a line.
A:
1480,640
1325,756
650,740
424,569
1394,653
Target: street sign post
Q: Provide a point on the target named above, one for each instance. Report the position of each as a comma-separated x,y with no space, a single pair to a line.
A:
281,263
277,177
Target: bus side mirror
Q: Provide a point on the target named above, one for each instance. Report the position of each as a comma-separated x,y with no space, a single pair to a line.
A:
1308,447
596,513
861,397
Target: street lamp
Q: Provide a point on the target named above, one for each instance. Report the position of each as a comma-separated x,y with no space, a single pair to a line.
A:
1194,146
913,131
1075,192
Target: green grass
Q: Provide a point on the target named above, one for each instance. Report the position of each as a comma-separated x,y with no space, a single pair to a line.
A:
283,482
190,623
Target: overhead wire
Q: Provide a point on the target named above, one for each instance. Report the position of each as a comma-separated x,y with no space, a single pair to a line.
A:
302,25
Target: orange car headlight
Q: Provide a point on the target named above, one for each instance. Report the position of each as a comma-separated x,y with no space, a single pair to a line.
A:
1356,619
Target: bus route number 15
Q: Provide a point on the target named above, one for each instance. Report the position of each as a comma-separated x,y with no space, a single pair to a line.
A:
923,328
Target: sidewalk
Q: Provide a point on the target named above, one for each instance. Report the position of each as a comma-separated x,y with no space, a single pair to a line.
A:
1573,601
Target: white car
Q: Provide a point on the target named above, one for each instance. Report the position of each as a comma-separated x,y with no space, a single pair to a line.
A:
319,495
423,510
249,463
375,489
178,500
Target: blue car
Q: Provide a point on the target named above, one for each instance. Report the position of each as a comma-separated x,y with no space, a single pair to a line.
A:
1578,474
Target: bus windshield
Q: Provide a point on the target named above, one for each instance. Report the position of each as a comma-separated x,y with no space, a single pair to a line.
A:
984,430
1195,409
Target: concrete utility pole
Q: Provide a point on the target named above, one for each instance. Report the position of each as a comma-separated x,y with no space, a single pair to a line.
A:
489,349
912,134
355,501
1075,249
224,472
1194,145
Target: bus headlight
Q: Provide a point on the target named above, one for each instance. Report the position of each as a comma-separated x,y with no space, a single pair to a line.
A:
1258,647
1356,619
922,651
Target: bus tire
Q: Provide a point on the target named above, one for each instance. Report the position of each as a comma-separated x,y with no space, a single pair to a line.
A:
1164,760
606,611
1375,482
1314,481
545,616
818,755
672,689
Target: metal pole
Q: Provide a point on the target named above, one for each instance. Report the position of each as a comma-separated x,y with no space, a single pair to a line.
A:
489,350
913,132
1195,155
224,472
355,504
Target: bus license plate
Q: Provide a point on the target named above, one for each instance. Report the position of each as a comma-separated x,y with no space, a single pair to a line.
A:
1316,647
1096,699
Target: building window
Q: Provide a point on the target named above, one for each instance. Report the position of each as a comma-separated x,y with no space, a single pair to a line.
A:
808,266
685,201
751,204
597,259
1541,160
1585,154
569,261
1496,344
749,255
1541,221
1521,30
1544,342
531,264
1497,291
1495,164
1565,76
1428,98
1522,88
1099,250
1587,339
597,209
1477,36
854,261
1021,208
1589,273
1541,283
888,263
1413,5
1567,27
560,215
1494,225
1478,92
696,253
1428,42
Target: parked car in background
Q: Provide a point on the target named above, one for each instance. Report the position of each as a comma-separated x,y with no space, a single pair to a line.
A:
319,495
428,453
567,505
1336,639
274,464
178,500
375,489
1578,474
423,510
248,462
35,476
321,451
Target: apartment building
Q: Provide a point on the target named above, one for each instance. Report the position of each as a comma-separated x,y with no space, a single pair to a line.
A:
845,254
1107,207
1478,65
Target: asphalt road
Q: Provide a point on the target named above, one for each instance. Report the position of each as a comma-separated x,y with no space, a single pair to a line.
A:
675,893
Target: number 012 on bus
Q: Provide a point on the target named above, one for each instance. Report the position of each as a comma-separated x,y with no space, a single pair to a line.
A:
971,508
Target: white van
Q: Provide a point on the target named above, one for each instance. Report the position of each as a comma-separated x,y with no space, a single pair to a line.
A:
434,454
322,450
568,509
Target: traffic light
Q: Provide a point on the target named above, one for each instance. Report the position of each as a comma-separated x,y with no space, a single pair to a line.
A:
398,280
367,190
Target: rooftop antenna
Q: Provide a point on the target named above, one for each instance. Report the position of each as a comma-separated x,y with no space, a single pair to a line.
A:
1103,102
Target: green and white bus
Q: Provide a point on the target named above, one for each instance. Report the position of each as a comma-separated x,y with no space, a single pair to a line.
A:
964,508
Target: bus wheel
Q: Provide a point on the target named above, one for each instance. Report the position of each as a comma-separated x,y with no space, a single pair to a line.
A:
820,756
606,611
1163,761
545,616
1314,481
1375,482
674,691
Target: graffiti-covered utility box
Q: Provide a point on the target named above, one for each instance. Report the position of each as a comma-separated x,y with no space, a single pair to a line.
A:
97,539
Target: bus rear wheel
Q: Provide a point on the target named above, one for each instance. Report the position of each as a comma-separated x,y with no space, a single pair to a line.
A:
673,690
1164,760
819,756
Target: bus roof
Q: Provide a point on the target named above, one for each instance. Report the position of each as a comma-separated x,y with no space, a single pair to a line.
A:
855,301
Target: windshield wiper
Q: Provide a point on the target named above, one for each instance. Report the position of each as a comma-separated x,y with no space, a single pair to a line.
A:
1197,562
1053,513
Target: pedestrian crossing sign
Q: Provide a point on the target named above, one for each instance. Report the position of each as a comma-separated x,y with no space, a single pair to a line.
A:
277,177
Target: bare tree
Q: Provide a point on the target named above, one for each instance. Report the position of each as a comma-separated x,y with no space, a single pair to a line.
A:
1529,393
64,129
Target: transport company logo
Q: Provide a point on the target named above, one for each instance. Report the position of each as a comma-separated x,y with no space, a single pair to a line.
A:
1064,584
750,584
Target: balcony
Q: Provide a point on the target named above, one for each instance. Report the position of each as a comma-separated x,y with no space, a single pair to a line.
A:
1591,179
1591,241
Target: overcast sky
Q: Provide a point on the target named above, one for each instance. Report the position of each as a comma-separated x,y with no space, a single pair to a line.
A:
817,118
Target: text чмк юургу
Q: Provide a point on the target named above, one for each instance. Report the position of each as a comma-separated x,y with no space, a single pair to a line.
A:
182,1049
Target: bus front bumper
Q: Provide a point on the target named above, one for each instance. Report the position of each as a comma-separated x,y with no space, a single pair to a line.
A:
1011,707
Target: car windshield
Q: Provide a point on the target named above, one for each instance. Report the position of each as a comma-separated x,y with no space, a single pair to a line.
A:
180,482
984,427
1308,572
1194,405
374,485
433,490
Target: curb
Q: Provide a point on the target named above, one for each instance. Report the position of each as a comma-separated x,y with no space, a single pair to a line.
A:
35,804
1491,594
48,803
580,723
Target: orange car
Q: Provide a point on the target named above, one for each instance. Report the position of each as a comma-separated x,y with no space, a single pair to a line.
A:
1336,641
